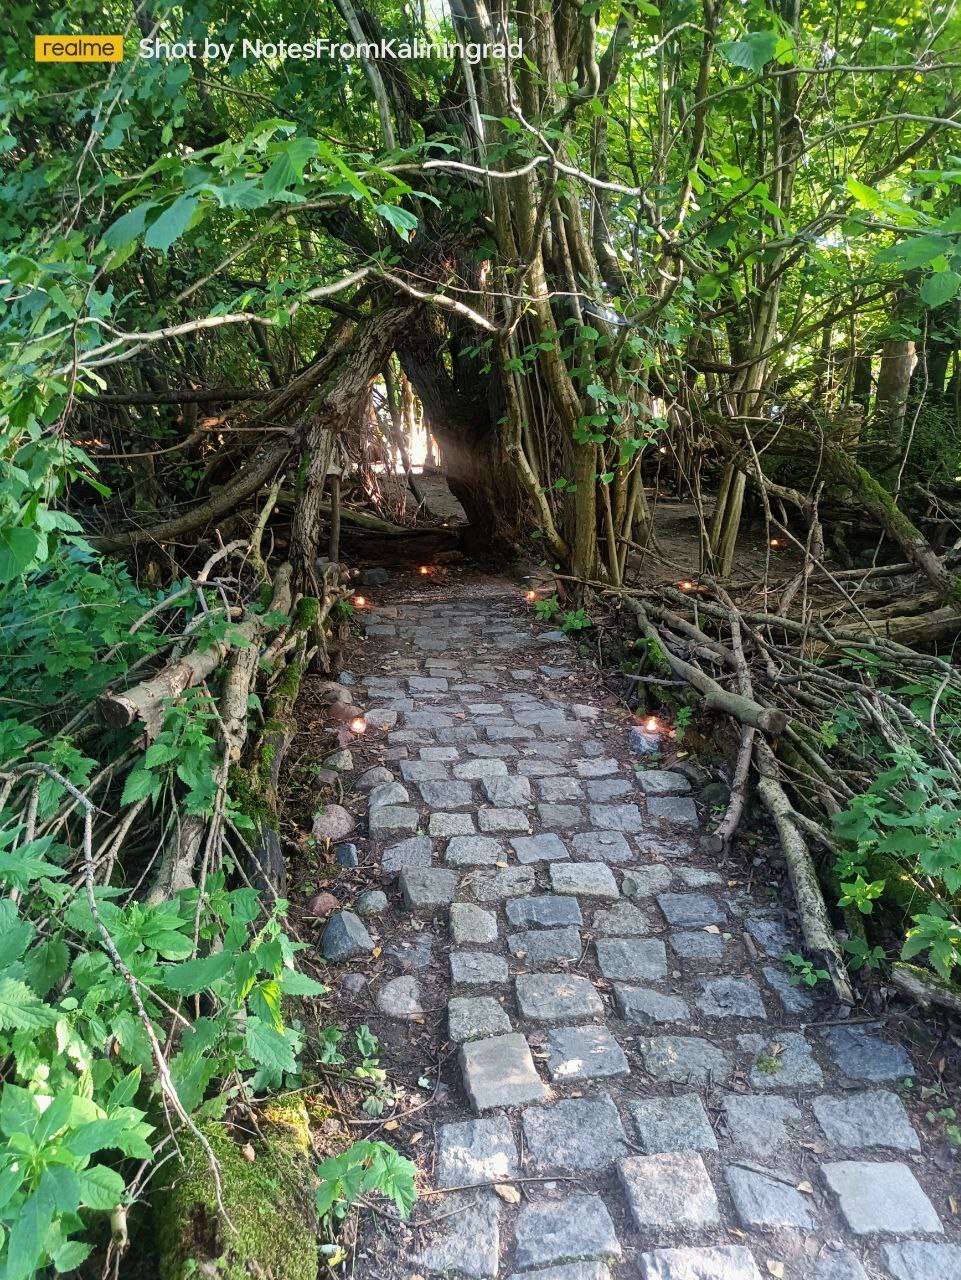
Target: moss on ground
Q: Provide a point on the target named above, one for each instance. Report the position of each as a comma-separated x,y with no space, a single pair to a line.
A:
269,1201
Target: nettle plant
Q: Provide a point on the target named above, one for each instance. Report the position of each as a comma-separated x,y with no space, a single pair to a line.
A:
907,827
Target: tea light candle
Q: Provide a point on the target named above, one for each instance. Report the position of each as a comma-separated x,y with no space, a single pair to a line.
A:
358,724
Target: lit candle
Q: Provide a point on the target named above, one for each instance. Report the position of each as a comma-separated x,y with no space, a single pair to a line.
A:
686,585
359,602
775,542
424,569
530,596
645,738
358,724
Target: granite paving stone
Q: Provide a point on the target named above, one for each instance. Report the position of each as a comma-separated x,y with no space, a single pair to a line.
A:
730,997
646,1008
450,824
563,1230
473,1152
584,1053
555,997
500,1072
684,1059
537,947
863,1055
669,1189
690,910
424,887
589,879
544,911
616,817
679,811
622,919
541,848
473,851
784,1061
602,846
729,1262
477,968
505,882
921,1260
697,944
503,820
645,882
661,782
759,1124
875,1118
576,1133
762,1199
677,1123
469,923
416,851
882,1197
562,817
626,958
507,793
466,1241
446,795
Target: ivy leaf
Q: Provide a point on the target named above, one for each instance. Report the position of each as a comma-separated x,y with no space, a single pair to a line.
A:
940,288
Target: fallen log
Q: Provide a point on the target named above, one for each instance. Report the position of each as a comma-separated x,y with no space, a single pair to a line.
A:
145,701
925,988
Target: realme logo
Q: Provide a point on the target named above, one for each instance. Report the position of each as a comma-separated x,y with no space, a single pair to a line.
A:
78,48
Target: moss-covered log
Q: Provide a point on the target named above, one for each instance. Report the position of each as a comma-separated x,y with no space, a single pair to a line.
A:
269,1200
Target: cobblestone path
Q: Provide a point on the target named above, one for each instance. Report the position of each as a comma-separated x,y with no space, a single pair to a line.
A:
639,1092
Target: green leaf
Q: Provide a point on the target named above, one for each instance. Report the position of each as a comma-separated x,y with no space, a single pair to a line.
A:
401,220
940,288
268,1047
294,983
140,784
20,1009
18,547
194,976
171,224
754,52
100,1187
127,228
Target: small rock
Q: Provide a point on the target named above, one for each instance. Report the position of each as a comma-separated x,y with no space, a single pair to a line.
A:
353,983
333,823
374,578
345,936
400,998
411,953
374,777
341,761
322,904
346,855
388,793
371,902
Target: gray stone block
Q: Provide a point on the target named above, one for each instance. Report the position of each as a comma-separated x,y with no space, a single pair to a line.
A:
423,771
730,997
874,1118
556,997
880,1198
567,1270
416,851
684,1059
647,1008
475,1018
472,924
477,968
410,954
577,1133
616,817
724,1263
645,882
604,790
679,811
558,790
575,1227
390,819
505,882
626,958
690,910
544,911
345,935
759,1124
841,1264
918,1260
697,877
762,1200
584,1053
863,1055
373,777
473,851
771,936
590,879
599,768
670,1189
427,887
446,795
697,945
451,824
499,1072
371,902
466,1240
785,1062
503,820
621,920
662,782
478,768
538,947
602,846
676,1123
562,817
475,1152
794,999
542,848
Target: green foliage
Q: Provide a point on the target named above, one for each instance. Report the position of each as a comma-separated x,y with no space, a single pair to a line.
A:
365,1168
803,971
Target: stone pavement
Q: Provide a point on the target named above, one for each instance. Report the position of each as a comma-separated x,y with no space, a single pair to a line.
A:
638,1093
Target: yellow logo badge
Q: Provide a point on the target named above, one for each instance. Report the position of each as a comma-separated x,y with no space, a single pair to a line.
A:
78,48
